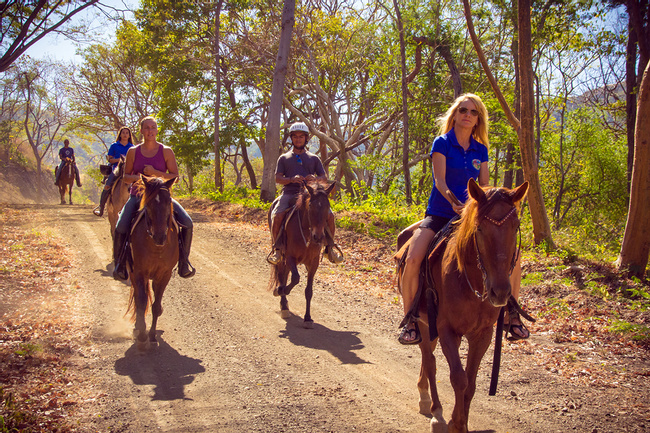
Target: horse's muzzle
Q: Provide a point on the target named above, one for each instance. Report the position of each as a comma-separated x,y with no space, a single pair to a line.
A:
498,296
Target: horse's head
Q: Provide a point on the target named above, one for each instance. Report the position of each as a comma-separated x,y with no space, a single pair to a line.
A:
157,205
490,220
318,210
118,171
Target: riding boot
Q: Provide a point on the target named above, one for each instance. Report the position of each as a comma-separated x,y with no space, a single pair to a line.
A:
119,258
99,210
57,173
185,268
275,255
76,173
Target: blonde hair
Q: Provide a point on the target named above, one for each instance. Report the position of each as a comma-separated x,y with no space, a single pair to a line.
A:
148,118
480,133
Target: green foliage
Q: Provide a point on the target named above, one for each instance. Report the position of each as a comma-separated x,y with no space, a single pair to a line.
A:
27,350
635,331
240,195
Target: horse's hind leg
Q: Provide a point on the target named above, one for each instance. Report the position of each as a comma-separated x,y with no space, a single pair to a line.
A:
295,276
156,308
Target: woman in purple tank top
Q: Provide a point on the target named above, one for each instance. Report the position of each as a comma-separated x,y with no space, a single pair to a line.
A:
150,158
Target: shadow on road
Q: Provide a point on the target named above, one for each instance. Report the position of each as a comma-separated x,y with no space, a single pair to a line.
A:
341,344
163,367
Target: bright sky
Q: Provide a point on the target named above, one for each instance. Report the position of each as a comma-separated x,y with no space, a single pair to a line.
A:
60,48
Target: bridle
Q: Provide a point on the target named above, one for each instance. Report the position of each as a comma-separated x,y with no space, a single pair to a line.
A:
512,213
146,216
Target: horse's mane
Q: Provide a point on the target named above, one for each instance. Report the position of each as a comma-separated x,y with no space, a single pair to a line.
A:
148,193
302,198
463,236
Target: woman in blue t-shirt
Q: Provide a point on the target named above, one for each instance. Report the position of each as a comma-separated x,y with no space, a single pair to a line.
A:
458,154
118,149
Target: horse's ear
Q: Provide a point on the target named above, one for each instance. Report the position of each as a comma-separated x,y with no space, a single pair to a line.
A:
170,182
310,189
519,193
475,191
330,188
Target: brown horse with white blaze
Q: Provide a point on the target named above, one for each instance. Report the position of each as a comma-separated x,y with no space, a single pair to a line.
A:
154,252
470,273
66,180
305,227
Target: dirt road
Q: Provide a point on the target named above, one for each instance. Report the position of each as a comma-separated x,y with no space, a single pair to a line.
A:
227,361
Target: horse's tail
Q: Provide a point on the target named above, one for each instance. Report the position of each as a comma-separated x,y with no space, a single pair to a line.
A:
131,306
278,276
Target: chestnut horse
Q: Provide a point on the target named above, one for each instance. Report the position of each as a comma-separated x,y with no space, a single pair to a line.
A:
119,195
304,232
471,285
66,180
154,253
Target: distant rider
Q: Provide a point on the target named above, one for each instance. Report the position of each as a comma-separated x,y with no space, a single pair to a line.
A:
117,150
294,168
66,152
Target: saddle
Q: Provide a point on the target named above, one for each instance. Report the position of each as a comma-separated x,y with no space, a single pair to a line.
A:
425,282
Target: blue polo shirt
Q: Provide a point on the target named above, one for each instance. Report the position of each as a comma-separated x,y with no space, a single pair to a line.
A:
461,166
117,149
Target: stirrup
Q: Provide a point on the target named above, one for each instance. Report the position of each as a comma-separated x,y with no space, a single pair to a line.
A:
99,212
274,257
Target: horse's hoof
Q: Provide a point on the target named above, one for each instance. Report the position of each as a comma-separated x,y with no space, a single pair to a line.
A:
142,346
425,407
438,424
285,314
308,324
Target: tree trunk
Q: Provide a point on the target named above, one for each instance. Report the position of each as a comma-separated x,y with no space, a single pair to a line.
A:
248,165
272,152
636,240
541,227
405,113
218,175
524,127
630,98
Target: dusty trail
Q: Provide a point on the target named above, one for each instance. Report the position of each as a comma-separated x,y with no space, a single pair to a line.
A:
227,362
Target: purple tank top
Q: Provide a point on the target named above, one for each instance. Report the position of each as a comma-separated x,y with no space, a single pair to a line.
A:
157,162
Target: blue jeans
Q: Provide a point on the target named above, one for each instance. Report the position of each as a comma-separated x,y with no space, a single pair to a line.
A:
133,204
109,180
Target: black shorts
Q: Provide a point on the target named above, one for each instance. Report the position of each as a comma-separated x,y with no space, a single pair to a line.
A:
434,222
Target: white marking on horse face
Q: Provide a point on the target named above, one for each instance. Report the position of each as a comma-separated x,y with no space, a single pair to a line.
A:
157,199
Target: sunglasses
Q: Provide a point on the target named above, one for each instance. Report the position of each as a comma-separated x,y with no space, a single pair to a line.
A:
463,110
298,158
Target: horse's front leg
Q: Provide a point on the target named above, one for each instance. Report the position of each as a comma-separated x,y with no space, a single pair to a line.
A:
450,343
141,298
159,286
309,290
70,194
478,345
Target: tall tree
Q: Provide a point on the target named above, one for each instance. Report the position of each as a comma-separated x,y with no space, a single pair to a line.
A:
405,112
525,126
272,151
218,177
44,112
26,22
636,241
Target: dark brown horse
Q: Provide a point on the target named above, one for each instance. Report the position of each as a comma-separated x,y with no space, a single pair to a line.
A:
119,195
154,252
66,180
470,272
305,227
